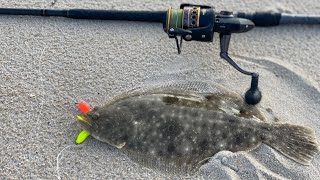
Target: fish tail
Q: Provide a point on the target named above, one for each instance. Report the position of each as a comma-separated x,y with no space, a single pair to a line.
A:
296,142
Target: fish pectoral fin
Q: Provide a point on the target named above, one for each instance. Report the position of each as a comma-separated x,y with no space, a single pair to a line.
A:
119,146
204,161
83,135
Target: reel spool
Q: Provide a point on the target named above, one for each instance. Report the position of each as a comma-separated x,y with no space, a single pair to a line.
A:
190,22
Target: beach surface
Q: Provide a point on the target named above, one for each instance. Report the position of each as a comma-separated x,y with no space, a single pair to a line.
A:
49,64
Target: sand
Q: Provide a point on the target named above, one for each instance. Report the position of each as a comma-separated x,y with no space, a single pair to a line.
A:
47,65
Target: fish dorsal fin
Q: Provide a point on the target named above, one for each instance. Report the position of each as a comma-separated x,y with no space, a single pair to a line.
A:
198,86
195,86
198,91
194,89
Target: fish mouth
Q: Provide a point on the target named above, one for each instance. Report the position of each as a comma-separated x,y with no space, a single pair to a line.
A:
84,119
87,120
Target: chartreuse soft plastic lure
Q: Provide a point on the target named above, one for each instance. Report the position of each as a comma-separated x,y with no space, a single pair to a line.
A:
83,135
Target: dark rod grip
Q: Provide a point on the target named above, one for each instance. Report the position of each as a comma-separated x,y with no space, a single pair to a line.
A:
262,18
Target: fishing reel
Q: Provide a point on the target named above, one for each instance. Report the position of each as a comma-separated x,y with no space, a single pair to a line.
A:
198,23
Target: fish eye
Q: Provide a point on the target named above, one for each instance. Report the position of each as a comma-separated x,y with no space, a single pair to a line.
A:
95,116
95,108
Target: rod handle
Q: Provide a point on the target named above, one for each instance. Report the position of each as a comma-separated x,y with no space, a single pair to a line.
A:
262,18
149,16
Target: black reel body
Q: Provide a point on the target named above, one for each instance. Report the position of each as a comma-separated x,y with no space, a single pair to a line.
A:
198,23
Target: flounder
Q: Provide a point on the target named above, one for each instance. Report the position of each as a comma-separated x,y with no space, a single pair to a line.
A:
177,129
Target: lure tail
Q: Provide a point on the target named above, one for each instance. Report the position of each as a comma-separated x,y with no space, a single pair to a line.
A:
83,135
84,107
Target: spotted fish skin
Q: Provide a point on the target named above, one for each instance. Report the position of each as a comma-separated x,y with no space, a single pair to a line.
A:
186,129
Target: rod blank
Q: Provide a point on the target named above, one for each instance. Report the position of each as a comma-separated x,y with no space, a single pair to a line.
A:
149,16
299,19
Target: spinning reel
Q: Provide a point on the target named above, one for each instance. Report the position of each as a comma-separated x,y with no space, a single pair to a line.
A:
198,23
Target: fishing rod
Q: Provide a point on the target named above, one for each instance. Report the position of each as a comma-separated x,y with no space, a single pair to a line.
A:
190,22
